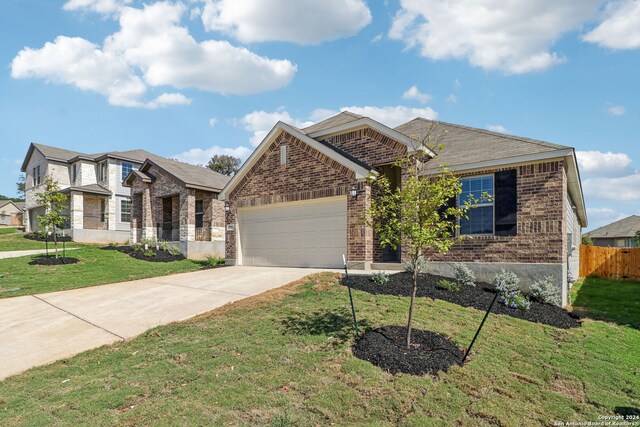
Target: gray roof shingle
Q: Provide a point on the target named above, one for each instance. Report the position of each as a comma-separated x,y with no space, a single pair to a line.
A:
626,227
462,144
191,175
337,120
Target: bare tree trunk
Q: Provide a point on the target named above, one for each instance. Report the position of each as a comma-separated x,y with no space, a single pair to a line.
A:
413,298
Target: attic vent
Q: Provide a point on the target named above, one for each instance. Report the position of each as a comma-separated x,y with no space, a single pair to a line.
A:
283,155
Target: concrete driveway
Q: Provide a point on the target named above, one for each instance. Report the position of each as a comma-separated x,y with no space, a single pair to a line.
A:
40,329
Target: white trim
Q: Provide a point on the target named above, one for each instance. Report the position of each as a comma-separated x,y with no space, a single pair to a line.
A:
368,122
361,172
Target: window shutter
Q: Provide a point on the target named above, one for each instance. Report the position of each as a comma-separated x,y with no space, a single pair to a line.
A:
451,203
506,203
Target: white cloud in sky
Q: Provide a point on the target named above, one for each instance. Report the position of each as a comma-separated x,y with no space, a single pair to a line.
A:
377,38
413,93
213,122
105,7
606,164
510,36
300,21
393,116
259,123
599,217
615,110
452,98
151,49
621,27
167,99
199,156
497,128
624,188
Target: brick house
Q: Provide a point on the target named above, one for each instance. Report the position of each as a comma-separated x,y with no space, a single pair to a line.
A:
11,213
299,199
99,206
178,202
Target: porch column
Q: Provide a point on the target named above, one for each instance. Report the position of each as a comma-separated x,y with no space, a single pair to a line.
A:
76,209
359,236
148,228
187,215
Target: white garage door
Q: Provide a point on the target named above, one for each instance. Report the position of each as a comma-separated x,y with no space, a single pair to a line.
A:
299,234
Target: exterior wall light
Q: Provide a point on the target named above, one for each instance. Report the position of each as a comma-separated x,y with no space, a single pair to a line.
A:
227,208
353,191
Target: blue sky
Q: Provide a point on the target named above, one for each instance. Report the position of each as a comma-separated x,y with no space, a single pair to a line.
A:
193,78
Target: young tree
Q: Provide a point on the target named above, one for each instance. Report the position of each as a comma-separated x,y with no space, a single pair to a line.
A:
226,165
587,241
636,239
417,214
54,203
20,187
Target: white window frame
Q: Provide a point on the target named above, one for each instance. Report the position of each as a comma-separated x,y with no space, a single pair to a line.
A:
122,169
122,210
102,171
37,177
74,173
481,205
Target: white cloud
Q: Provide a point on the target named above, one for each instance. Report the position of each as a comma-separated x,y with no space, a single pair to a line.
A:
213,122
393,116
151,50
261,122
199,156
511,36
167,99
615,110
625,188
452,98
621,27
597,163
413,93
603,216
497,128
301,21
377,38
105,7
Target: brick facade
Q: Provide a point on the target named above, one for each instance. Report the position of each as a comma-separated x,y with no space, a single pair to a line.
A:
147,208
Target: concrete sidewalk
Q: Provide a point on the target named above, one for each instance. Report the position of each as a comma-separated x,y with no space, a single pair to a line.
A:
40,329
18,254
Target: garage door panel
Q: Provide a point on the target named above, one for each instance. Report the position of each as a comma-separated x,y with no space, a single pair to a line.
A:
310,234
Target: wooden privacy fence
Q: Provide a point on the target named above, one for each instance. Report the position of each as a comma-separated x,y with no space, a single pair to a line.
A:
615,263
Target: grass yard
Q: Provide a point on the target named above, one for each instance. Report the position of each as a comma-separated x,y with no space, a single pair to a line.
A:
96,267
607,299
284,359
17,242
7,230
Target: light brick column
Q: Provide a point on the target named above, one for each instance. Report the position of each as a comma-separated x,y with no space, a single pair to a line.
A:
187,215
359,236
76,209
148,227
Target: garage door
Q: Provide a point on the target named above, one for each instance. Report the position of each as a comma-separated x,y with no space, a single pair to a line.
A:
299,234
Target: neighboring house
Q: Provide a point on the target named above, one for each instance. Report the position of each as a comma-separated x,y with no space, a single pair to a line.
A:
618,234
99,208
11,213
300,197
178,202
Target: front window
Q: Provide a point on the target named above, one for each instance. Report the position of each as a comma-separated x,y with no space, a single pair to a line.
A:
74,173
102,171
481,216
199,213
37,178
125,211
126,169
103,210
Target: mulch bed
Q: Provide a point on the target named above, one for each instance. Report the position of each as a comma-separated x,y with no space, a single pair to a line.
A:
386,348
159,255
40,238
478,297
51,260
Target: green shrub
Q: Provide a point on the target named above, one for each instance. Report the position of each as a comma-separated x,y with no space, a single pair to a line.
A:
164,245
463,274
544,291
421,264
587,241
449,285
148,242
149,253
174,250
506,282
215,261
516,300
137,247
380,278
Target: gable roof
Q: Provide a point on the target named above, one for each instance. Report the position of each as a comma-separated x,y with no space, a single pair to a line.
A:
463,145
337,120
18,205
626,227
191,176
360,169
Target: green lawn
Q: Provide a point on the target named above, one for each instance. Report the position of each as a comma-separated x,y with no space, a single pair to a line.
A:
607,299
97,267
17,242
6,230
284,359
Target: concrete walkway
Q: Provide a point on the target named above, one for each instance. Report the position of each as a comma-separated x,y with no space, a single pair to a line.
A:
18,254
40,329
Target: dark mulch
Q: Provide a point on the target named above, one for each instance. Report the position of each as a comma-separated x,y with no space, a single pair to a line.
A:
386,348
51,260
478,297
41,238
158,255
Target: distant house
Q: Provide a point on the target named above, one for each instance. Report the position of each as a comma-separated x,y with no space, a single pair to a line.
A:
618,234
11,213
99,208
178,202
